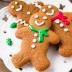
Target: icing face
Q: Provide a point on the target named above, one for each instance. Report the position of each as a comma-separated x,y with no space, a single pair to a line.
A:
50,10
41,22
17,6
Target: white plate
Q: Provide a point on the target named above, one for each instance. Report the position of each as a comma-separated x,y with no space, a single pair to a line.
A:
57,62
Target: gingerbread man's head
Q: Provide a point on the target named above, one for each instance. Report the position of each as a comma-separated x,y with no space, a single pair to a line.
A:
50,10
40,20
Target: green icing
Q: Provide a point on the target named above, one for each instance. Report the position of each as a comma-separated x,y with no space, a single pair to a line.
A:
9,41
41,33
13,25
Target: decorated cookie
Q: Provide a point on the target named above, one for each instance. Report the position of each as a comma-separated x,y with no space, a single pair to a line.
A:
23,11
62,25
10,45
36,38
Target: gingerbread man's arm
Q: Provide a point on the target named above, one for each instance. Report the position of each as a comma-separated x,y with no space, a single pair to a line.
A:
53,38
68,15
20,33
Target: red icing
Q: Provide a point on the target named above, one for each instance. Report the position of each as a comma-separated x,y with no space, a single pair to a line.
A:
62,18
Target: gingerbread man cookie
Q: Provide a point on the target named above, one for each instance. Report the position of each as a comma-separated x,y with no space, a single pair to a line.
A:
62,25
23,11
36,38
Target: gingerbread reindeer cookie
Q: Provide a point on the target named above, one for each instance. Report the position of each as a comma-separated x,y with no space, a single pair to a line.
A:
36,37
62,25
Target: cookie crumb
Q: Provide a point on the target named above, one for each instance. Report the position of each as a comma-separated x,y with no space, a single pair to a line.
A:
13,25
20,68
10,55
62,7
9,42
70,70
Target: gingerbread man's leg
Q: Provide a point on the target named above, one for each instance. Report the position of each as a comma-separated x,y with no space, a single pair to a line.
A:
66,49
40,61
20,59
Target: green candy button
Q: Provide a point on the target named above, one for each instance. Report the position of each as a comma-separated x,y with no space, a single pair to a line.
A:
13,25
9,42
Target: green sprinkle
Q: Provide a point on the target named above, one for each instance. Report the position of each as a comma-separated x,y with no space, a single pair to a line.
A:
9,41
13,25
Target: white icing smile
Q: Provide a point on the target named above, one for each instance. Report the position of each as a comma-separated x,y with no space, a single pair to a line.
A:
50,14
39,24
20,8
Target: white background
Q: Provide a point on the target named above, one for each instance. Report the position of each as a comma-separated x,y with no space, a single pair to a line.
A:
57,61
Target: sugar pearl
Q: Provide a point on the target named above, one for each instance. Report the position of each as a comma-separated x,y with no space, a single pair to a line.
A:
28,13
36,16
66,29
35,34
12,7
16,2
34,40
33,46
61,25
49,6
57,21
43,10
44,17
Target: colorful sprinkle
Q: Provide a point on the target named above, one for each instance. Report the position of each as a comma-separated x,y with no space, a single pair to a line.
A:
13,25
9,42
62,7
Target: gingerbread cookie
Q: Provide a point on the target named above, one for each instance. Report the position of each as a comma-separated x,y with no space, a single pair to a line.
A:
36,37
23,11
62,25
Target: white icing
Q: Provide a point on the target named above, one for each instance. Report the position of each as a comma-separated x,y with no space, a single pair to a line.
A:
37,5
39,24
12,7
50,14
33,46
57,21
44,10
61,25
26,24
34,40
36,16
28,13
19,20
44,17
35,34
20,8
16,3
49,6
66,29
